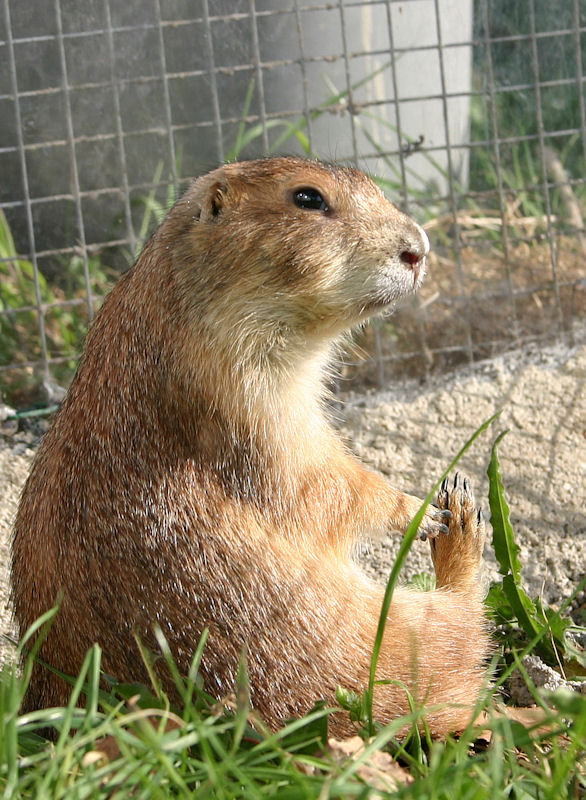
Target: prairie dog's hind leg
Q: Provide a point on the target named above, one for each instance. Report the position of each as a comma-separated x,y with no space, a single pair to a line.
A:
457,556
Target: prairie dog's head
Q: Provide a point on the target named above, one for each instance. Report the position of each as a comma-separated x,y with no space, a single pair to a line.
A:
287,244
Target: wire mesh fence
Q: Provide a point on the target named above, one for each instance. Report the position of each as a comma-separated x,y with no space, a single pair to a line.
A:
470,113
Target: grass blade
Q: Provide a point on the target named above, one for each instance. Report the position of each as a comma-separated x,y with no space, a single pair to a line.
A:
543,626
505,547
408,539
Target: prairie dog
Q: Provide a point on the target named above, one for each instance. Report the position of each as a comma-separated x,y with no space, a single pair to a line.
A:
191,478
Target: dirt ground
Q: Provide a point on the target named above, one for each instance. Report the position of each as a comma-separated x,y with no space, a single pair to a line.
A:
412,431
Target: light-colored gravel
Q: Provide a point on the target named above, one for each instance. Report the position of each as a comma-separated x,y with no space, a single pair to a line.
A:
15,461
411,433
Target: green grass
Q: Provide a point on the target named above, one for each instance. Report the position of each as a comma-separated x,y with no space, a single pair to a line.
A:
154,752
129,741
25,294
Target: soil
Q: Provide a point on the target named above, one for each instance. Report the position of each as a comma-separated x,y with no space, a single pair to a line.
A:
411,433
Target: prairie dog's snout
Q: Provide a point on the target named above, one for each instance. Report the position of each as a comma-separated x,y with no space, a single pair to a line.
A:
414,251
416,246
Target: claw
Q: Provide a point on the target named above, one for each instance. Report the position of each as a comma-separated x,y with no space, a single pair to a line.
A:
467,485
480,517
457,480
444,485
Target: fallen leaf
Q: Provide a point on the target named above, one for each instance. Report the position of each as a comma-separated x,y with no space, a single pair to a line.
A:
379,770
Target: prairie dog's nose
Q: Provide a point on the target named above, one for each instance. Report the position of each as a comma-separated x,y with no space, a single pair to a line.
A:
415,248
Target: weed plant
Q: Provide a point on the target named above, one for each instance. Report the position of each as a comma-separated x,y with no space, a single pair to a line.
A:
524,112
129,742
24,294
20,290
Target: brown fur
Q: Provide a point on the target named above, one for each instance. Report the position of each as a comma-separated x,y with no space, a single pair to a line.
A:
191,478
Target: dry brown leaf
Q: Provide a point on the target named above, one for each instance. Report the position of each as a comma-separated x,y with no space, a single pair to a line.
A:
379,770
106,749
99,757
532,717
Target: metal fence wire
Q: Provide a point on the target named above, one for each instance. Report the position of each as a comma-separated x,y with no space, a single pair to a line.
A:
470,113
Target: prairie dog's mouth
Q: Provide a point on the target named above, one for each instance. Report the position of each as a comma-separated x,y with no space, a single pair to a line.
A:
417,268
395,283
419,272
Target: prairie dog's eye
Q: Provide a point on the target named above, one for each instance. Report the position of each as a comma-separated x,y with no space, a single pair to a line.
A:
309,198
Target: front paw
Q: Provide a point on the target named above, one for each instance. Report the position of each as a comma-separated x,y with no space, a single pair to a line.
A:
457,557
434,523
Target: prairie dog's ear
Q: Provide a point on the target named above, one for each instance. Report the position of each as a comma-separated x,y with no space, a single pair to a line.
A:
213,201
214,192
